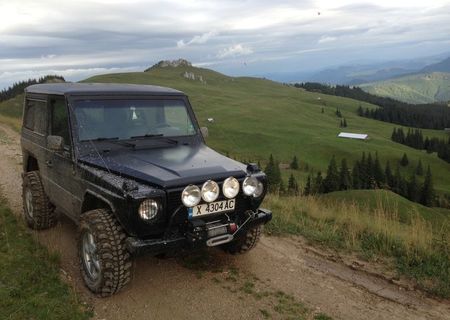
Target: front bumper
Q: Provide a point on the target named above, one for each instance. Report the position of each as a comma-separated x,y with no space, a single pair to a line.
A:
195,236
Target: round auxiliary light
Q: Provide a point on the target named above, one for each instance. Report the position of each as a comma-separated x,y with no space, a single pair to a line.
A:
210,191
230,187
148,209
191,196
252,187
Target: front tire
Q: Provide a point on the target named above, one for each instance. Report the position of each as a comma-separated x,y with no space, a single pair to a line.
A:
104,260
245,242
38,211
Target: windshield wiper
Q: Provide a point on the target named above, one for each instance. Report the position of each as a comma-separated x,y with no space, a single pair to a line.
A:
114,140
157,135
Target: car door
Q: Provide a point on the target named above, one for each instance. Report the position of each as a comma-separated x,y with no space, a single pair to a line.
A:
34,134
64,181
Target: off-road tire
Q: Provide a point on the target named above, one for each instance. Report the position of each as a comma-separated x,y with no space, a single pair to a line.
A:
115,261
245,242
42,215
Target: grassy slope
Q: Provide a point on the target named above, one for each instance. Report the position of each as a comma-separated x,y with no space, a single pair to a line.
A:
419,88
373,199
30,287
256,117
11,111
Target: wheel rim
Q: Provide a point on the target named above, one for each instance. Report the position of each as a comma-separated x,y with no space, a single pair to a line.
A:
29,202
89,255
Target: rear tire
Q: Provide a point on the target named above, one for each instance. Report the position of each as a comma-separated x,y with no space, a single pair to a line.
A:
104,260
245,242
39,213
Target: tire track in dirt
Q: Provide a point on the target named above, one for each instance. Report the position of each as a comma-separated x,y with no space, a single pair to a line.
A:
167,289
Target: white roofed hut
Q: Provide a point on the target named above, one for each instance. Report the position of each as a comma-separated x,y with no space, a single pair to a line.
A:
357,136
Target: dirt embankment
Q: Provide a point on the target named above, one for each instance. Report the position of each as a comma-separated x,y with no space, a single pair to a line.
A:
272,281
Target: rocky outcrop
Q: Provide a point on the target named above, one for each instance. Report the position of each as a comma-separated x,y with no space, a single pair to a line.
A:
170,63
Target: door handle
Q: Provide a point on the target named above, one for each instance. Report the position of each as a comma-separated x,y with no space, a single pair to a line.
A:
49,163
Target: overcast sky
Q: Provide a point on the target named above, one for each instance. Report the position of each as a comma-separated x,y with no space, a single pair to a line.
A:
254,37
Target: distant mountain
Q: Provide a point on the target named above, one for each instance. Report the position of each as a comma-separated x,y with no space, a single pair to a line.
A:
353,75
443,66
414,88
365,72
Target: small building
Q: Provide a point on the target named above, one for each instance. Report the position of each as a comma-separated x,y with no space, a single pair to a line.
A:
358,136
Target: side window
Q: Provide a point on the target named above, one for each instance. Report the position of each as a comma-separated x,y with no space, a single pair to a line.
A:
36,116
60,119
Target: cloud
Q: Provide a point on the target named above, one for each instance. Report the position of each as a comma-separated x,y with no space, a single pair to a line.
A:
39,36
197,39
326,39
234,51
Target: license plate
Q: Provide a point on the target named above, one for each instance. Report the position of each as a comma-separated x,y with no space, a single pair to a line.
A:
210,208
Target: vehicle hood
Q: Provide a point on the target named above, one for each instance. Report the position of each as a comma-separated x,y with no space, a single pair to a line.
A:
168,167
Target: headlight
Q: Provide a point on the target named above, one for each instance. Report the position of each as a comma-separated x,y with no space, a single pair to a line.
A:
210,191
191,196
148,209
252,187
230,187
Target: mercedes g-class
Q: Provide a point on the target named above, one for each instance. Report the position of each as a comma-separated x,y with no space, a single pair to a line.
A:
129,165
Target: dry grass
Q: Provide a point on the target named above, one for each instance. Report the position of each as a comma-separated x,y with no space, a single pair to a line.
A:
421,249
14,123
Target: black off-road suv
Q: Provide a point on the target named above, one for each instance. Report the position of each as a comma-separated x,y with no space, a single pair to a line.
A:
129,165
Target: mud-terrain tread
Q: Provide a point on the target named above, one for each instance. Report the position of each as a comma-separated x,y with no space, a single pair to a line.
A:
246,242
43,211
115,260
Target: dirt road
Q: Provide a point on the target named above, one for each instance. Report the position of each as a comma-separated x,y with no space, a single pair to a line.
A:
272,281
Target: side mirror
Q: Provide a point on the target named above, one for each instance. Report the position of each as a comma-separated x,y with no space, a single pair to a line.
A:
55,143
204,131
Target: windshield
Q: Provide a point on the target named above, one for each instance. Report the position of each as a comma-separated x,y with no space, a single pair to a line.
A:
128,119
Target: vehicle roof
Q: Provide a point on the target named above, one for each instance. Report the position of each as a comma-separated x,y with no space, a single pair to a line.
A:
71,88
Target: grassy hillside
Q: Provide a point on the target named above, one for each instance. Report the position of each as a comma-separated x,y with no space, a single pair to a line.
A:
11,111
373,199
417,88
256,117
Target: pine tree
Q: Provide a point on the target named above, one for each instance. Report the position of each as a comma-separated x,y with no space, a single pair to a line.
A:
413,189
292,185
371,184
427,191
400,184
419,169
307,191
341,124
345,181
394,135
356,178
345,123
294,163
318,184
404,161
360,111
273,174
378,173
331,182
390,181
363,172
323,110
